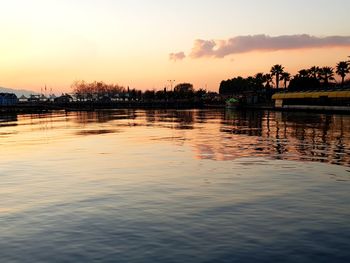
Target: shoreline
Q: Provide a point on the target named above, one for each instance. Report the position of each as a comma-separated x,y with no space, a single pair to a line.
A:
68,107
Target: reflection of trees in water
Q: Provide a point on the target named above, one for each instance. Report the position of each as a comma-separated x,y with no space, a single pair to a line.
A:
320,139
150,116
202,116
84,117
243,122
182,119
185,119
339,156
282,135
8,119
41,121
317,137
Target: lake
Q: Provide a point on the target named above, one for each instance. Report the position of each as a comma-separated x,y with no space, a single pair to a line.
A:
175,186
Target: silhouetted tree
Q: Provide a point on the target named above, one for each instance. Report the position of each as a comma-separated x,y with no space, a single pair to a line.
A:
304,73
233,86
243,86
149,95
342,69
95,90
276,71
268,80
160,95
299,83
314,71
184,87
285,77
259,80
326,74
184,91
200,93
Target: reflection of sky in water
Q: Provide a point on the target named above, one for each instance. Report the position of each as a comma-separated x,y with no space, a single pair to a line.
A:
174,186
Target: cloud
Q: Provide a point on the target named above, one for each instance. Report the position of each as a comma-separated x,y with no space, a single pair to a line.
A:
243,44
177,56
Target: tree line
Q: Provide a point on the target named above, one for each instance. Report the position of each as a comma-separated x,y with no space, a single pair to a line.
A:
100,91
306,79
262,84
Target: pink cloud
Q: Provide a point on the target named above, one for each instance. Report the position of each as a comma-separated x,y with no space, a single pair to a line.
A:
177,56
243,44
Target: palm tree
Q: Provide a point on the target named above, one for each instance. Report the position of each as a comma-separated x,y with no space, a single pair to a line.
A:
276,71
343,68
259,76
268,80
326,74
313,71
259,79
285,76
303,73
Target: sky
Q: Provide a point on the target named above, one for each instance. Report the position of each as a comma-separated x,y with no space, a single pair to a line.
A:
145,43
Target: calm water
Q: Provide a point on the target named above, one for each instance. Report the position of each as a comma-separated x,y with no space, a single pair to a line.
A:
174,186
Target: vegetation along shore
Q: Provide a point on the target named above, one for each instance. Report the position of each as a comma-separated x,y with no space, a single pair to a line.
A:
314,88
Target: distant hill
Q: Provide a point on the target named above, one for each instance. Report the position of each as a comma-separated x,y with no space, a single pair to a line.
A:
18,92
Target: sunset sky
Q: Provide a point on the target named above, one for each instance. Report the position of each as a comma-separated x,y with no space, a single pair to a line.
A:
144,43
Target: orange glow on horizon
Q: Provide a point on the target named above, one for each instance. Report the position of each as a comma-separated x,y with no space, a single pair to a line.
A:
143,73
54,43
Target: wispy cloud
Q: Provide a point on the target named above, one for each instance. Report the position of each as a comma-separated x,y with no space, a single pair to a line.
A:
177,56
243,44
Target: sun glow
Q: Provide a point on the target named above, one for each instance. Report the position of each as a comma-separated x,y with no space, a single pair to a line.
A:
128,42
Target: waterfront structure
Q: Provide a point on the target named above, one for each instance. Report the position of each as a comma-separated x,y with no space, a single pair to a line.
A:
52,97
338,100
8,99
43,98
23,99
34,98
64,98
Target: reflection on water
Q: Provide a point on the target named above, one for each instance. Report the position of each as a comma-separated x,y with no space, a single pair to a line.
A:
94,132
8,120
211,134
293,136
224,135
174,186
